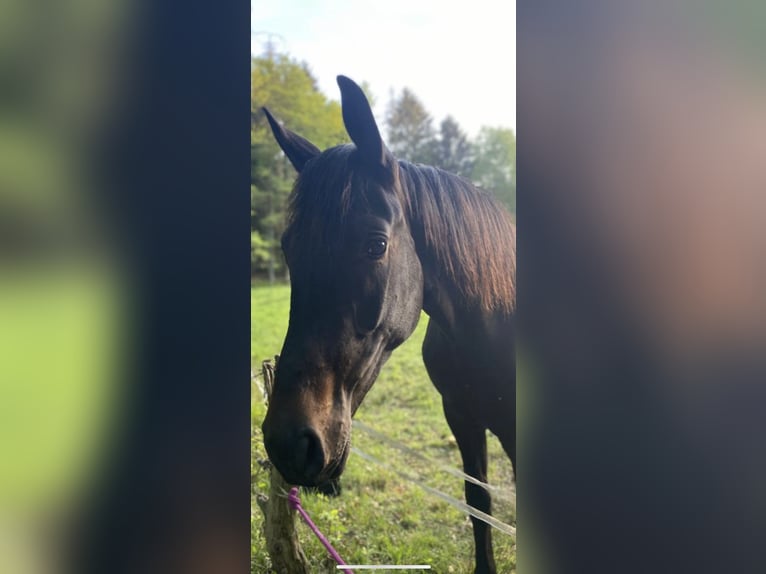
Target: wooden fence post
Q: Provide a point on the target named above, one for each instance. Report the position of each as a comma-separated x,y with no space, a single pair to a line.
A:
279,527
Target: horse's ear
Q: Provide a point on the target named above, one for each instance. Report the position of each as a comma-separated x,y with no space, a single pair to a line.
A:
360,123
297,149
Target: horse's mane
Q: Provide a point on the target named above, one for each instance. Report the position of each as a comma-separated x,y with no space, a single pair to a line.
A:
319,202
467,234
465,229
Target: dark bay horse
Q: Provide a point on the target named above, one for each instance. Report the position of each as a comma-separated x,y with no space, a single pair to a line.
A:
370,242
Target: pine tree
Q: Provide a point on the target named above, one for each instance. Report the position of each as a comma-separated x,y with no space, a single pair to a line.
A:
410,129
453,151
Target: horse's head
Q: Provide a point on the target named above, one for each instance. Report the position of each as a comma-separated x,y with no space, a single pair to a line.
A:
357,288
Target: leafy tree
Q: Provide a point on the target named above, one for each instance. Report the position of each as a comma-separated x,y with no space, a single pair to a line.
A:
260,251
495,166
453,150
291,93
410,129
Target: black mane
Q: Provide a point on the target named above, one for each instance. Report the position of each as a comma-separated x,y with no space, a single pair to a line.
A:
466,230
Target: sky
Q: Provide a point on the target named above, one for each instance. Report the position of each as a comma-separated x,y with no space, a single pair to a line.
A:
458,57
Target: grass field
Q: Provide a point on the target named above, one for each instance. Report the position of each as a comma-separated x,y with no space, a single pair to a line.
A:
381,518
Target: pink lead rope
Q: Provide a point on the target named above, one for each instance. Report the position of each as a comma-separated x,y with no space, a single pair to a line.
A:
295,503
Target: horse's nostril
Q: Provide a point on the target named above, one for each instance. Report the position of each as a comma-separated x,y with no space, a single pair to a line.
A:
309,455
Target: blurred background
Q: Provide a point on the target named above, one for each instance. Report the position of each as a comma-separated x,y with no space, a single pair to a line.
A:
121,166
641,286
65,298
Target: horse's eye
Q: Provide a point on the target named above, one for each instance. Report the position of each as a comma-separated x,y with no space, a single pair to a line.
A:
376,248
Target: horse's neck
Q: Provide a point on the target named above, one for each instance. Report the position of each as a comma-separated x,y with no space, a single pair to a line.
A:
447,307
445,303
439,303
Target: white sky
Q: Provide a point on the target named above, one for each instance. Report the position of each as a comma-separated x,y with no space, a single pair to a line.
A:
458,57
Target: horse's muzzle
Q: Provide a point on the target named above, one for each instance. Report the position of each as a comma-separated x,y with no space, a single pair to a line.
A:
297,454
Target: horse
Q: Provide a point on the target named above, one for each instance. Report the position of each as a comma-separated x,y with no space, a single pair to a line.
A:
371,241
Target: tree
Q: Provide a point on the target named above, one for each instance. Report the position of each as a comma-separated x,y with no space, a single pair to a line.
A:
410,129
291,93
495,166
260,251
453,150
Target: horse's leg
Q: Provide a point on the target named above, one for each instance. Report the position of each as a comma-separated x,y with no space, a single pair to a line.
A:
440,359
472,442
509,446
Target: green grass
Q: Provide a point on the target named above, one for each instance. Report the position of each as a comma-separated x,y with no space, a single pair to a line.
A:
381,518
